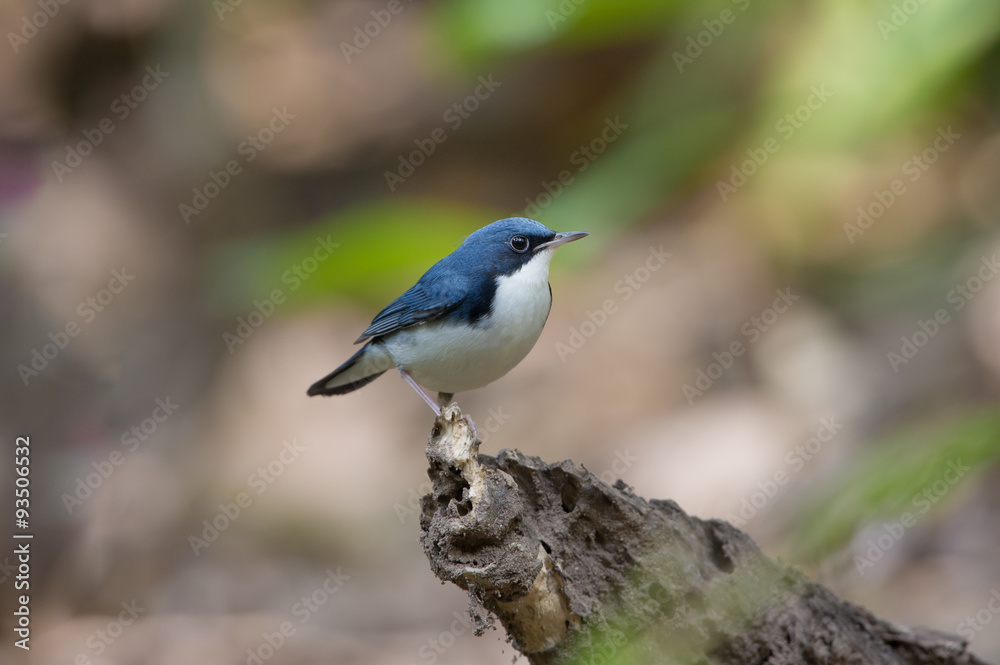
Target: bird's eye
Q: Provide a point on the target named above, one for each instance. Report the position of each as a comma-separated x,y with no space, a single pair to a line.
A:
519,244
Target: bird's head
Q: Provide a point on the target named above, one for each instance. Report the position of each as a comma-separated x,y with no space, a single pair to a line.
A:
507,245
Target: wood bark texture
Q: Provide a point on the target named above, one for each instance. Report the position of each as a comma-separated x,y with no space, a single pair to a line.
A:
578,571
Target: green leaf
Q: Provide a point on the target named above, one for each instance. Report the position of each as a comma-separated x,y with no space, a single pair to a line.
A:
383,248
904,474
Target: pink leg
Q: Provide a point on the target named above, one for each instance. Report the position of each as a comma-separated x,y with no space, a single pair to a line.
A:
420,391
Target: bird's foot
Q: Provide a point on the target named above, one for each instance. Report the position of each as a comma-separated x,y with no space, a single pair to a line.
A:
442,402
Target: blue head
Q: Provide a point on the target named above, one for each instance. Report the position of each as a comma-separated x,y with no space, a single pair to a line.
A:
506,246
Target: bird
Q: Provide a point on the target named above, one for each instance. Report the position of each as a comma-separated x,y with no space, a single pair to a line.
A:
469,320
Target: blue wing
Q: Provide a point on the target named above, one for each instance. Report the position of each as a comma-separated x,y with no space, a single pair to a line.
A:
427,300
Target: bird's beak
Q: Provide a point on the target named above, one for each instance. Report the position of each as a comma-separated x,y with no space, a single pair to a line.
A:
562,239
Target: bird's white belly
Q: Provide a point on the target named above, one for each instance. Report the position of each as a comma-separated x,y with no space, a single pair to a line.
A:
451,357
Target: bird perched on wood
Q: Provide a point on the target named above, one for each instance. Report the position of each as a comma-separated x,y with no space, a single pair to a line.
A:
468,321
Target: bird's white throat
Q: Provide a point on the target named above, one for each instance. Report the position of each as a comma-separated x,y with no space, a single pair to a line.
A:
523,297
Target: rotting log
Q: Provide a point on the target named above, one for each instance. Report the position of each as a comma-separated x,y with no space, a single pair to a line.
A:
578,571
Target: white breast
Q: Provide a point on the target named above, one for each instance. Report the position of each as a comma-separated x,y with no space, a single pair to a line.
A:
453,358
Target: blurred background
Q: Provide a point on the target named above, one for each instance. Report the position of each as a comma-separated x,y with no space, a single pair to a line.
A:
786,315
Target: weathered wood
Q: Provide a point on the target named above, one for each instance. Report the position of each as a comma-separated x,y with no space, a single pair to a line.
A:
579,571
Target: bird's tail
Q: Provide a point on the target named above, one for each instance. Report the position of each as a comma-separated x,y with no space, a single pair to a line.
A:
369,363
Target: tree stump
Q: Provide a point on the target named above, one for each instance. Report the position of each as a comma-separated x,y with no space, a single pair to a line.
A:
578,571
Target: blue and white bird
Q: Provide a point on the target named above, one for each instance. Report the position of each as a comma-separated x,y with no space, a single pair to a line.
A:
468,321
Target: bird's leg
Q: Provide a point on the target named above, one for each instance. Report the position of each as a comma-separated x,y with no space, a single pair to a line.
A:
443,398
420,391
